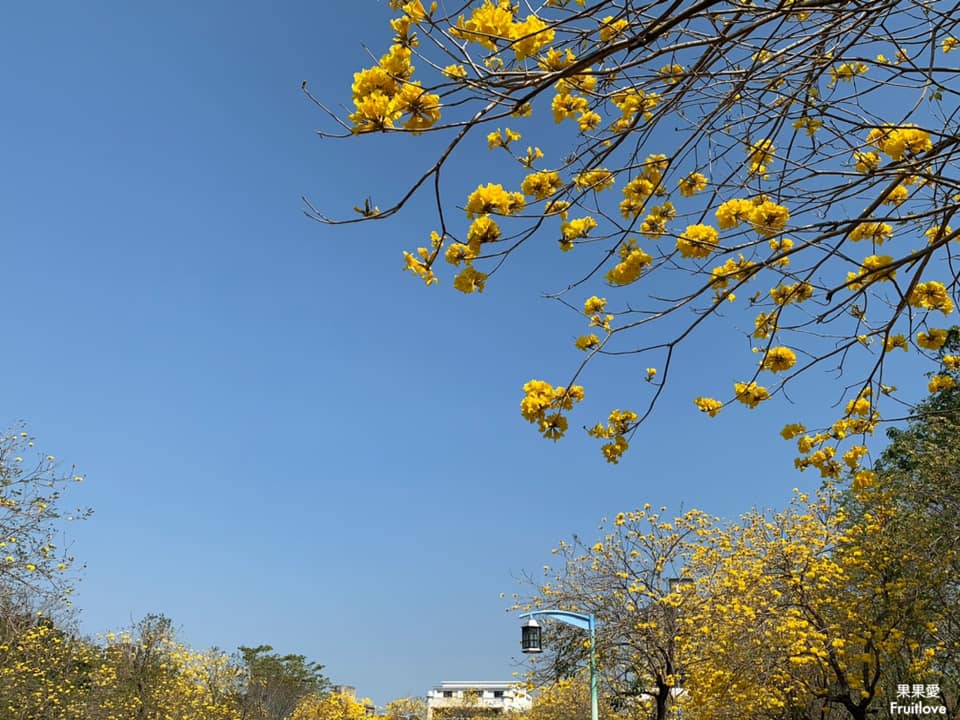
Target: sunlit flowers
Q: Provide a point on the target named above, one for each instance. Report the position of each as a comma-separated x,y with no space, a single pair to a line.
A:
492,198
931,296
710,406
933,339
692,184
750,394
779,359
698,241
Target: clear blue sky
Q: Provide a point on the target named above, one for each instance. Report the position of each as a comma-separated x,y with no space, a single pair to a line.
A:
288,440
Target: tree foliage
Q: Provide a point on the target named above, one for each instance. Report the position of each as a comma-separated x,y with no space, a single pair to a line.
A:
783,169
330,706
274,684
35,563
809,612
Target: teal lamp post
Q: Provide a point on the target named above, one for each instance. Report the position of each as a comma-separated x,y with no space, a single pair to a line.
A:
530,642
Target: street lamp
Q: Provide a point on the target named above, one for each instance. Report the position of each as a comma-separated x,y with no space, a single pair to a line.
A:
530,642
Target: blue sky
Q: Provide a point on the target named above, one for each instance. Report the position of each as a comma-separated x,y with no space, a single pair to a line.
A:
287,440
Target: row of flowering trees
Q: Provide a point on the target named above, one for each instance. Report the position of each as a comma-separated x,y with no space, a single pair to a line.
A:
842,606
49,671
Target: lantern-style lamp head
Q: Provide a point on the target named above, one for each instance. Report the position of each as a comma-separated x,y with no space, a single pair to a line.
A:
530,637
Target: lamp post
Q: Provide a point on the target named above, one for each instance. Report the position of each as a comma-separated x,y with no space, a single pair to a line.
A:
530,642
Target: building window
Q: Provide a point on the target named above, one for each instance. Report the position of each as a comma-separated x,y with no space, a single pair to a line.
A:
448,693
498,693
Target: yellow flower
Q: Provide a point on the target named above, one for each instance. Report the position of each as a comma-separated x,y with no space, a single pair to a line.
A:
470,279
493,199
692,184
455,71
932,340
541,185
750,394
949,43
708,405
597,179
940,382
632,263
502,138
778,359
937,232
671,74
846,72
587,342
759,155
768,218
610,28
698,241
895,341
896,196
875,231
866,162
733,212
594,305
792,430
931,296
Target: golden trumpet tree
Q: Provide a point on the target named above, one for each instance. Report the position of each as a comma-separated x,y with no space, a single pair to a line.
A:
782,170
330,706
629,580
569,699
803,612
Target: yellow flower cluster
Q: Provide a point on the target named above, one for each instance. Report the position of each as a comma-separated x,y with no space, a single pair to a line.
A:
940,382
421,264
811,125
738,270
634,105
541,185
846,72
779,359
768,218
692,184
619,423
931,296
611,28
934,339
792,430
633,261
597,180
785,294
493,22
866,162
707,405
896,141
937,232
875,268
698,241
494,199
655,224
896,196
384,94
574,230
877,232
759,155
733,212
672,74
544,404
893,342
502,138
750,394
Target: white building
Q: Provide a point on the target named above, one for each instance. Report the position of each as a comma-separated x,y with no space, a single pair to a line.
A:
468,699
